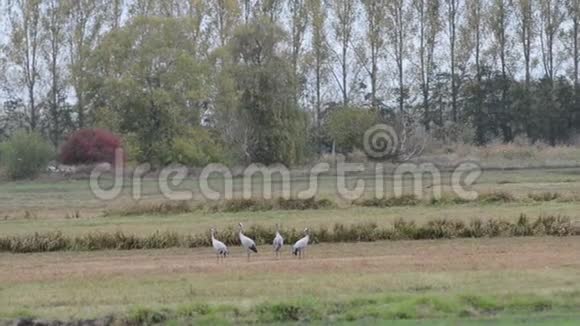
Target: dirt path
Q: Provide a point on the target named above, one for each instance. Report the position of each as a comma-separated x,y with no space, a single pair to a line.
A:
380,257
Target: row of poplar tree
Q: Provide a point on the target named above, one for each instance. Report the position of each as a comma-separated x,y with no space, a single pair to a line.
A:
261,79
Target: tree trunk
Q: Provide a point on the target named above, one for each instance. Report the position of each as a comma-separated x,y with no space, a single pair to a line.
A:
344,74
452,37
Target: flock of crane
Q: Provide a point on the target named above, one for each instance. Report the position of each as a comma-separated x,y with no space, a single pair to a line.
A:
249,245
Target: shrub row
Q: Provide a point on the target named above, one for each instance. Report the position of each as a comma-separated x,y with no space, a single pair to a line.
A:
228,206
400,230
497,197
258,205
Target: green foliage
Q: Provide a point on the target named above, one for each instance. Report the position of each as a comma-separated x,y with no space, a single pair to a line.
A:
196,147
257,108
347,126
193,310
504,108
441,308
25,155
146,316
287,312
148,74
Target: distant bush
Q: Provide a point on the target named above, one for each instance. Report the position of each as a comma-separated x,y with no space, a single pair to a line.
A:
497,197
25,155
165,208
404,200
89,146
544,196
228,206
146,316
347,126
286,312
255,205
196,148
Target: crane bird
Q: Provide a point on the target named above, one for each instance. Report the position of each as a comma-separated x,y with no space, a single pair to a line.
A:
220,248
247,243
300,245
278,241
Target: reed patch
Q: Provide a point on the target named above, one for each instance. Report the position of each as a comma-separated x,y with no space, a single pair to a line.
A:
359,232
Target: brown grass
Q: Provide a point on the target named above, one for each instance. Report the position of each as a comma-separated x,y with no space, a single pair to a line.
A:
401,229
378,257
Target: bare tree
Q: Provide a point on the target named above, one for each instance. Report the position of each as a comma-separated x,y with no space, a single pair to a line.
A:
248,9
225,17
298,24
86,21
398,22
345,13
573,13
452,26
551,15
525,29
271,9
54,24
24,50
198,17
429,26
319,51
117,8
498,24
376,17
473,32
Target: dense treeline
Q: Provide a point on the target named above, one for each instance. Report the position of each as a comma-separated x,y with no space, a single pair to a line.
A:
198,81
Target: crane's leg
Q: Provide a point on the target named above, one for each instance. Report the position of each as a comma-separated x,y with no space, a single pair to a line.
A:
248,256
217,258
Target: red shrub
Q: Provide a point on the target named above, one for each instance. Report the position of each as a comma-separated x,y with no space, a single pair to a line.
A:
87,146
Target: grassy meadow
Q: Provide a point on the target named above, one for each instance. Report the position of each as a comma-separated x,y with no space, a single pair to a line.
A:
511,281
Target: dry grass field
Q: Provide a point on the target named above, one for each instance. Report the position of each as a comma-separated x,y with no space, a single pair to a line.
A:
532,280
59,198
515,275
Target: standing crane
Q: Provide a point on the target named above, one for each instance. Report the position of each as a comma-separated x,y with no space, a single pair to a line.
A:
300,245
247,243
278,241
220,248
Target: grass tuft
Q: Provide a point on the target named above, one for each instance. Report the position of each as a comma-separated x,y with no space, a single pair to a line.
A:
405,200
146,316
496,197
544,196
165,208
